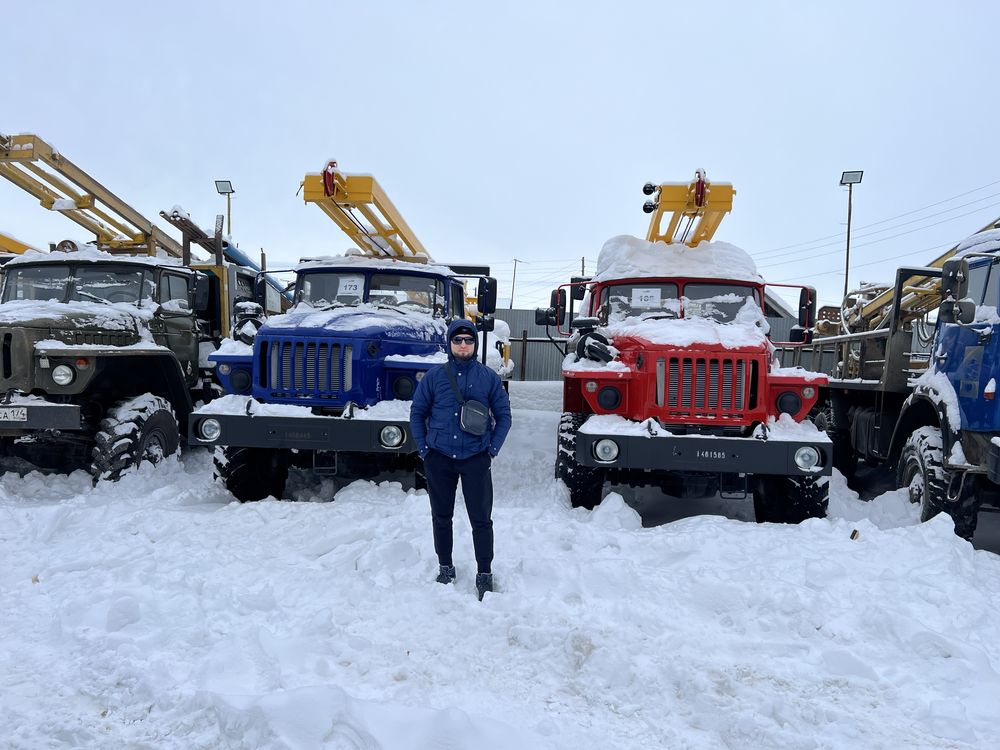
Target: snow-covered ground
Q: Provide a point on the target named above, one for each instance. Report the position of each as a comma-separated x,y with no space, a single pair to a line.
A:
156,613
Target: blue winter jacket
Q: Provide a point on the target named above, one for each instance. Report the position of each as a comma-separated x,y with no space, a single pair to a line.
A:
434,412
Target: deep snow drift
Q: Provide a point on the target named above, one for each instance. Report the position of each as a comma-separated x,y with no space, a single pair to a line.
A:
157,613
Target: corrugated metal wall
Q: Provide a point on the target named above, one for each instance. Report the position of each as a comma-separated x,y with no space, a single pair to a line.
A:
544,361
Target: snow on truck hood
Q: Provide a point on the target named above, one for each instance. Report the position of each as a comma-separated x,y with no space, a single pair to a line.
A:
115,316
360,320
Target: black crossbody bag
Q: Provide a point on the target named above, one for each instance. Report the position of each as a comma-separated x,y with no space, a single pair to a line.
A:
474,416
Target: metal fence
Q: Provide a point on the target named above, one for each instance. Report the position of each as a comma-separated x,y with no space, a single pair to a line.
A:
536,358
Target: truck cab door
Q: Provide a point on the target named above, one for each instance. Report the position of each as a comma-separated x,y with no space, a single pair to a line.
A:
177,323
969,355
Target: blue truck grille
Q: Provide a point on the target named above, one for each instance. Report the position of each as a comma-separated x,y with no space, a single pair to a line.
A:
305,368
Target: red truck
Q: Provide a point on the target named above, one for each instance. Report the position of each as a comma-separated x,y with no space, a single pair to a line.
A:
670,378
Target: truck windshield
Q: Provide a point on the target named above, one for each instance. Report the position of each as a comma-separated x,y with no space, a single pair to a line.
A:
639,300
418,293
718,302
91,283
321,289
403,291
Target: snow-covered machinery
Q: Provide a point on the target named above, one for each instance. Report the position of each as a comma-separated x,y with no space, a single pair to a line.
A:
913,380
103,348
670,378
327,386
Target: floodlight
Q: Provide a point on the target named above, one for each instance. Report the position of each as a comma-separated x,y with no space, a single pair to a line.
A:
851,178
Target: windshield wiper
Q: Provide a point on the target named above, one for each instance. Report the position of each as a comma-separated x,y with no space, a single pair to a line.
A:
94,297
383,306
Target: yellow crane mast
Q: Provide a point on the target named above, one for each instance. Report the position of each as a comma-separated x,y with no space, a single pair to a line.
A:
60,185
360,207
696,209
869,308
10,245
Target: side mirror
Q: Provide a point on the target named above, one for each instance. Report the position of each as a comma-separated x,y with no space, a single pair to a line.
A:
807,307
954,279
201,290
557,301
800,335
545,316
578,291
486,297
965,310
486,323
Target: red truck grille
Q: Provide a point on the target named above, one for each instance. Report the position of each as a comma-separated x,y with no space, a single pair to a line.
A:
714,387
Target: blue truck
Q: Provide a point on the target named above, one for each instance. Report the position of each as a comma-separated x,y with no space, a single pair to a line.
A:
913,382
327,385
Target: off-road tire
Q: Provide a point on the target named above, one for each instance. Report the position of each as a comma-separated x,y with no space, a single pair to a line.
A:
781,499
135,430
922,473
585,483
251,474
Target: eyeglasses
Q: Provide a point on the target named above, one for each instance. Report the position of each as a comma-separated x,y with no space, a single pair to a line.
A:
463,340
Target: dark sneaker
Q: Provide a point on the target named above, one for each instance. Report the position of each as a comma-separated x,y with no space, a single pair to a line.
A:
446,574
484,583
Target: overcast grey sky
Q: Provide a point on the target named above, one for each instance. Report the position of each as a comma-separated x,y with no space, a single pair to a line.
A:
526,129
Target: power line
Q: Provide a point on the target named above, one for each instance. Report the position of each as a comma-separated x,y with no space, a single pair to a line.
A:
871,263
897,216
897,226
890,237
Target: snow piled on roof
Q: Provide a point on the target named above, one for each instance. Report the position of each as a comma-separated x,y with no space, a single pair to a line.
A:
981,242
90,254
353,261
627,257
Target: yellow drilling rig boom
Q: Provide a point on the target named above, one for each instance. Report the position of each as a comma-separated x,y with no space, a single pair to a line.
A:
359,206
696,209
59,185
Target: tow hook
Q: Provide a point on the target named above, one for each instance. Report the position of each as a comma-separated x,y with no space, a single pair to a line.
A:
960,476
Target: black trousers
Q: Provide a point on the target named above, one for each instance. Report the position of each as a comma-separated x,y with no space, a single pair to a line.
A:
443,473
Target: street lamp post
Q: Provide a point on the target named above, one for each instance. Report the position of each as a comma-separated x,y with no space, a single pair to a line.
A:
850,179
225,187
514,279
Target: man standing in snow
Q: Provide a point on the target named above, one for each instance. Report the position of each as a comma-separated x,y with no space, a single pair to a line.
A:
460,416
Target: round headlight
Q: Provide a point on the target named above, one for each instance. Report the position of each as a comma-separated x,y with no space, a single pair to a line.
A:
225,368
789,403
606,450
806,457
591,386
609,397
391,436
240,381
63,374
209,429
403,387
808,392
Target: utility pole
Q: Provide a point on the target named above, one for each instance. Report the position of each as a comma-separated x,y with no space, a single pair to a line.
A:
583,266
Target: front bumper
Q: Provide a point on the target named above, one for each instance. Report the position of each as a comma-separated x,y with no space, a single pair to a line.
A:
717,455
301,433
22,418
